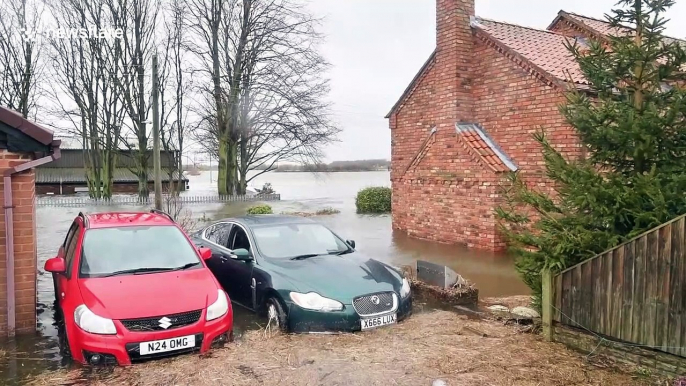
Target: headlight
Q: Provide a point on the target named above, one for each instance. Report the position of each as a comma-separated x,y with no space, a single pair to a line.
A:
405,289
89,322
315,301
219,308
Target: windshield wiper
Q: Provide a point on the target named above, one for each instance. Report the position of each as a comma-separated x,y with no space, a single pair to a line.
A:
138,271
186,266
338,253
307,256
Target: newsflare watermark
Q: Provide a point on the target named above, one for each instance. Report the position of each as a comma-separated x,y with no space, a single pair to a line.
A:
92,32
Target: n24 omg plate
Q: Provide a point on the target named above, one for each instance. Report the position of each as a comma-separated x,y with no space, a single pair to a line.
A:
165,345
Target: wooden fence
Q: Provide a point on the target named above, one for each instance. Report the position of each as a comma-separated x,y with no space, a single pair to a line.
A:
135,200
634,293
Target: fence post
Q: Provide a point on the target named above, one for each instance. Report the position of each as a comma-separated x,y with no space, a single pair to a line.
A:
547,305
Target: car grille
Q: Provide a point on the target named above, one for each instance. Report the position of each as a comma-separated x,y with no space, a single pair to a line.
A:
365,306
153,323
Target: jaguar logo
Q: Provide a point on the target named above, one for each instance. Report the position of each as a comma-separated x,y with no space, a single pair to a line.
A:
375,300
165,322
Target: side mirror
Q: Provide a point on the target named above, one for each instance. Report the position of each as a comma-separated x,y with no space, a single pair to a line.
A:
241,254
205,253
56,265
351,243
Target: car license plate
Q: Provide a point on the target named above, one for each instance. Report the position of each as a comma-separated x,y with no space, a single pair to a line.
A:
164,345
378,321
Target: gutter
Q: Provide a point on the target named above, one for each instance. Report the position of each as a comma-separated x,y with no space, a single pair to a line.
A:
9,229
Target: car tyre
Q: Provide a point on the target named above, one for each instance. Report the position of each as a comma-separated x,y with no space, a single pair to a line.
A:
56,305
276,315
63,341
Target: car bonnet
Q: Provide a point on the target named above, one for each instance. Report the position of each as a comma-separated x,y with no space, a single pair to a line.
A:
155,294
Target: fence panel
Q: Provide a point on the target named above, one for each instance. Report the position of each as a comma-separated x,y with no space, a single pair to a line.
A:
134,200
634,293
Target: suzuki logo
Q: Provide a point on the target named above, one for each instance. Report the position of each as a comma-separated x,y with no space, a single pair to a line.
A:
165,322
375,299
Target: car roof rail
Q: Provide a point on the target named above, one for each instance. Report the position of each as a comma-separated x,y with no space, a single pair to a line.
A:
84,218
163,213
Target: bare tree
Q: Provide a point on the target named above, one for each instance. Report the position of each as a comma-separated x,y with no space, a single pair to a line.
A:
214,24
267,86
138,23
174,86
19,54
85,69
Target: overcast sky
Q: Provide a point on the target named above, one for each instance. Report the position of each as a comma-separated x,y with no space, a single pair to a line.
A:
377,46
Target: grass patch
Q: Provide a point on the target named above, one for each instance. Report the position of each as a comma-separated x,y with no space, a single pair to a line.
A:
321,212
260,209
374,200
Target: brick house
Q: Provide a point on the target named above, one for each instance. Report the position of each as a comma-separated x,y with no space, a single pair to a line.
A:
24,145
468,117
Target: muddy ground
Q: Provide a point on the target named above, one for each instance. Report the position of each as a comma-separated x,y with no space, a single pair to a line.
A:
426,347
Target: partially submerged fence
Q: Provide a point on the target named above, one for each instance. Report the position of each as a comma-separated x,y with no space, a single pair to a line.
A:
135,200
634,293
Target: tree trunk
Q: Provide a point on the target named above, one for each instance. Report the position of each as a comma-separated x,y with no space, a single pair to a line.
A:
232,168
143,191
243,167
222,186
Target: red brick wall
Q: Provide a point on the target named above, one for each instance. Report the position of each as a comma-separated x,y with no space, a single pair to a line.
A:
511,105
448,196
24,246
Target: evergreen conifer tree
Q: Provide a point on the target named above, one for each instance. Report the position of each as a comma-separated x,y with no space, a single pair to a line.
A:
630,116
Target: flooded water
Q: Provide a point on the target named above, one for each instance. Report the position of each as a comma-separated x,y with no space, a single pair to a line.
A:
493,274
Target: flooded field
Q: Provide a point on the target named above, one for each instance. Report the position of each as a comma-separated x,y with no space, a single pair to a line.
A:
493,274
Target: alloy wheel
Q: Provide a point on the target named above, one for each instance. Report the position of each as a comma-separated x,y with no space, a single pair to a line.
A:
273,315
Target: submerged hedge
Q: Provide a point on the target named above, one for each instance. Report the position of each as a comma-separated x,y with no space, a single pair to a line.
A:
375,199
260,209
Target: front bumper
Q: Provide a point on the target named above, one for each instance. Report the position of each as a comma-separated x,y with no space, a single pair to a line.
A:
306,321
124,346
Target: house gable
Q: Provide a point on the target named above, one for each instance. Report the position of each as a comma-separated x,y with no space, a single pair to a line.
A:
426,67
572,25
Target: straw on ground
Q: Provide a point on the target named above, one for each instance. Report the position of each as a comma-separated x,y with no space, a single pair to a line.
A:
426,347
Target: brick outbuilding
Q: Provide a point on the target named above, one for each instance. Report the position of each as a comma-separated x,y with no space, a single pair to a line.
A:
24,145
469,116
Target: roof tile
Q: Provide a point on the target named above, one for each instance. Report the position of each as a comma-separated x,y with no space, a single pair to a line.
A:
476,139
605,28
544,49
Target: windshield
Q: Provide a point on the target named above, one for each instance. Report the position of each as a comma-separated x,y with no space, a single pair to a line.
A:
290,240
109,251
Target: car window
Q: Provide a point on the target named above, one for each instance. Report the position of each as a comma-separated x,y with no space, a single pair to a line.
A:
239,239
70,234
111,250
290,240
70,249
218,234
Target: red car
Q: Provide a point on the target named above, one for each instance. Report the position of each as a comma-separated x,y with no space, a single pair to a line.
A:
132,286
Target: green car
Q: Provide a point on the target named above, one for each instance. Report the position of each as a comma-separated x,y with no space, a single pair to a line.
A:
302,275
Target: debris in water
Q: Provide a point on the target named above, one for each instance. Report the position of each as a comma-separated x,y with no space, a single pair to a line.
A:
498,308
525,312
439,275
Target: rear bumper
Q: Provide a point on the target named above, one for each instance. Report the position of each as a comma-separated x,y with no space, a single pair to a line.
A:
124,347
347,320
